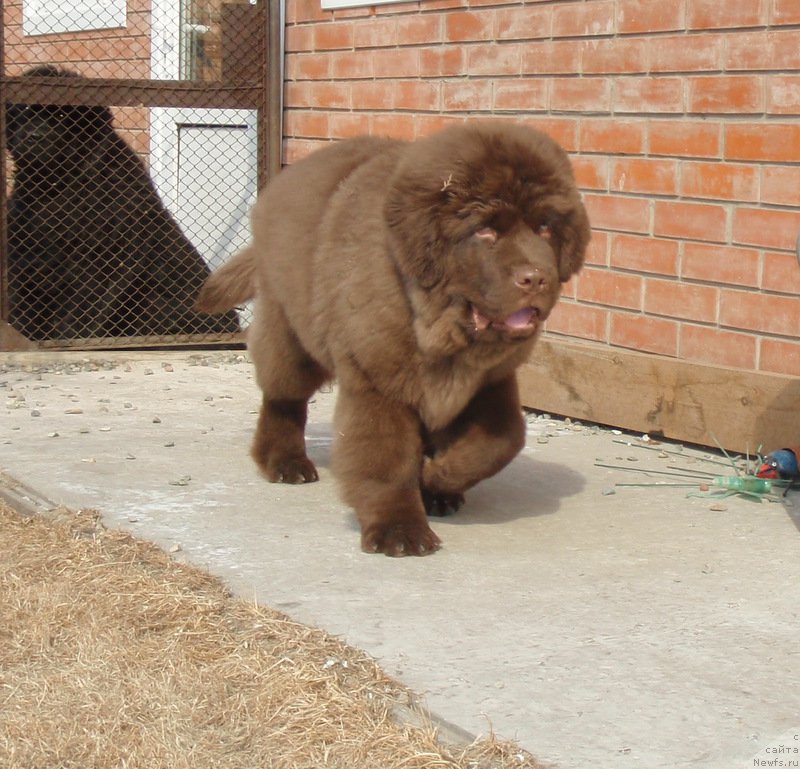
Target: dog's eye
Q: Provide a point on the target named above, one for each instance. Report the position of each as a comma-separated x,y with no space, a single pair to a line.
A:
487,234
544,231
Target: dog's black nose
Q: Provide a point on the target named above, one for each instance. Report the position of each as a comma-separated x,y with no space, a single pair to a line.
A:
530,279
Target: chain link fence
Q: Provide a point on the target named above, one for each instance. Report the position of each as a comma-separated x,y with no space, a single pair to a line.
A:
136,136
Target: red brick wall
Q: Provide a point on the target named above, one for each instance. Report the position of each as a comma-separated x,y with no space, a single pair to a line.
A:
682,118
112,53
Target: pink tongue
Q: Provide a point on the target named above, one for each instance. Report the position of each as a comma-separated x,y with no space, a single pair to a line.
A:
520,318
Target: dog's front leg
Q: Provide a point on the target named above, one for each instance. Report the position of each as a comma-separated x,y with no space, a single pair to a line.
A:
377,459
480,442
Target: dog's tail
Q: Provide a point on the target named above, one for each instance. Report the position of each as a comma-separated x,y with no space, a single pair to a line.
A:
231,285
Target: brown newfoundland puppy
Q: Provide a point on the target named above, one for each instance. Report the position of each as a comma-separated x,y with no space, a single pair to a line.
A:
418,275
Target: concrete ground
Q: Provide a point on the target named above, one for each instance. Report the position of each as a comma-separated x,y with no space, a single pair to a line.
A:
638,629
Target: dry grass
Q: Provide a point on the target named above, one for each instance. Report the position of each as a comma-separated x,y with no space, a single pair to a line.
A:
114,655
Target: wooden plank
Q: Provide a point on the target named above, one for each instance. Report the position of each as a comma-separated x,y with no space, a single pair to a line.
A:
12,341
683,401
132,93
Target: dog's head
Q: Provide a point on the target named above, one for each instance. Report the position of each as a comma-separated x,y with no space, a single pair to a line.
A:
489,214
54,137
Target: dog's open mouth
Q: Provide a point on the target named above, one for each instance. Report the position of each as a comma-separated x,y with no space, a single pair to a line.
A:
519,323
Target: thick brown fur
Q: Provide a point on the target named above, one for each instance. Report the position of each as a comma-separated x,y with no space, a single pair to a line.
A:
418,275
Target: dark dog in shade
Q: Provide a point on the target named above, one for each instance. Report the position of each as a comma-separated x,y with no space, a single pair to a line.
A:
92,250
419,276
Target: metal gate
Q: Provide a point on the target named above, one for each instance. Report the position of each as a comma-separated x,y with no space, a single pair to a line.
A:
137,134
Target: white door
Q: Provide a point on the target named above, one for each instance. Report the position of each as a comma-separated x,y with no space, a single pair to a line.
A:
203,161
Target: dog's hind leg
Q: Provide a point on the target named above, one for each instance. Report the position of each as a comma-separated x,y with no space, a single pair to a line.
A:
480,442
288,377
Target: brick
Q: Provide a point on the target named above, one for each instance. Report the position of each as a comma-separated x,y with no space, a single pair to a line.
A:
421,95
428,124
293,149
551,58
705,14
717,347
771,142
562,130
523,94
783,94
720,264
722,181
335,35
462,26
138,21
583,19
641,332
578,320
612,136
763,50
780,185
306,10
299,39
649,94
352,13
448,61
493,59
686,54
610,288
568,288
309,125
308,66
612,212
645,175
615,56
375,33
139,142
347,124
580,94
352,64
644,254
395,125
785,12
467,95
646,16
780,357
395,62
420,30
329,95
694,221
681,300
591,172
780,273
430,5
765,313
740,94
371,95
766,227
597,252
523,23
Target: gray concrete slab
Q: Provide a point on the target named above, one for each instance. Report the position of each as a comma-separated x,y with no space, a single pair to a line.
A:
635,629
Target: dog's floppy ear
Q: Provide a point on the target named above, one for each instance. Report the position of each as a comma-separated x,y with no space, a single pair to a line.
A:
574,238
413,213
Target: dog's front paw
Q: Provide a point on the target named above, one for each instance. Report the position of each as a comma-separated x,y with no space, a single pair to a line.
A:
289,470
399,539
